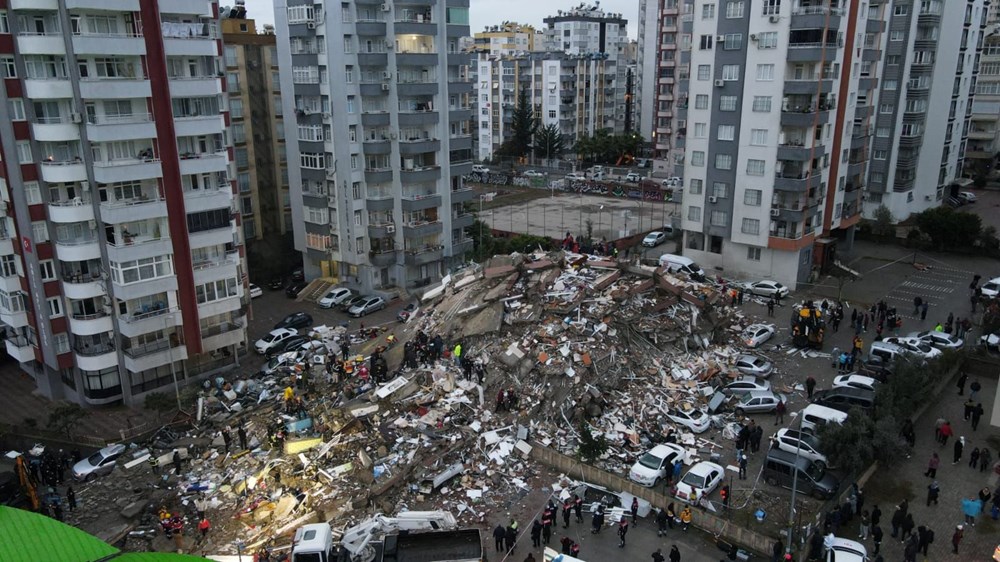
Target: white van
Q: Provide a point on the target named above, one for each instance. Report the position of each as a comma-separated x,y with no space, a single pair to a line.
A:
888,353
815,416
681,264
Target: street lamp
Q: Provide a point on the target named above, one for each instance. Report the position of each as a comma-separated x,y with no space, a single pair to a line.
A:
795,490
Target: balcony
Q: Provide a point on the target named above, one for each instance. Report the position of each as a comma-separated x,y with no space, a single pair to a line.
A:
141,208
421,229
81,286
384,258
381,230
56,129
419,146
112,128
154,354
78,209
808,52
462,195
805,116
213,237
982,134
816,17
429,254
30,43
95,357
221,306
90,324
416,58
380,202
10,283
199,125
146,321
203,163
417,118
222,335
139,247
186,7
419,202
118,44
792,181
421,174
48,88
122,5
798,152
70,171
115,88
20,349
378,175
14,319
195,86
78,249
131,169
47,5
6,244
219,267
145,287
414,22
210,198
195,41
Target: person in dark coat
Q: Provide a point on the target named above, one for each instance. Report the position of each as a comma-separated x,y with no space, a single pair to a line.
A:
510,535
777,551
897,521
498,537
242,434
71,498
622,531
675,554
536,534
876,538
635,509
933,489
567,510
661,522
959,446
578,508
177,461
907,527
566,543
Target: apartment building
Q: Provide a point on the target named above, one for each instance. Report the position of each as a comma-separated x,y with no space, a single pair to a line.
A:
773,170
658,80
509,38
984,123
122,258
573,92
256,128
927,73
382,101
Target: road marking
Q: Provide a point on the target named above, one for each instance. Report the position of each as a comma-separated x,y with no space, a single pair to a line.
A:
910,299
943,274
927,287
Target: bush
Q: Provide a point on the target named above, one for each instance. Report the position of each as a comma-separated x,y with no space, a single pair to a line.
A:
65,417
949,229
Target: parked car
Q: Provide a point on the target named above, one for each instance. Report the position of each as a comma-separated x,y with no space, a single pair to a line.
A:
334,297
915,346
991,288
480,169
575,176
298,274
844,399
767,288
349,303
754,365
967,197
405,314
756,334
295,321
654,239
806,445
693,419
846,550
276,284
255,291
367,306
293,290
290,344
279,361
745,384
759,401
652,466
671,182
701,479
100,463
534,174
632,177
784,469
273,338
940,340
854,381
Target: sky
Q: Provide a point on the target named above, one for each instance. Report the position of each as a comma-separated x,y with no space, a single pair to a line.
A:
488,12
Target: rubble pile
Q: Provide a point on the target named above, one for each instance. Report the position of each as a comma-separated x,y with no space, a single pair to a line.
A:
334,432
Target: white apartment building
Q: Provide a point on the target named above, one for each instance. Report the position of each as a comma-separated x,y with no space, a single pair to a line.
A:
658,80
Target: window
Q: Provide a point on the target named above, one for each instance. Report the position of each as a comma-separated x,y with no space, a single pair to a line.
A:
886,108
755,167
733,42
752,197
720,190
723,162
734,9
881,155
216,290
696,186
753,254
701,101
16,108
8,266
890,85
313,161
61,342
765,72
707,11
758,137
48,270
300,14
7,67
697,158
771,7
208,220
750,226
882,132
55,307
726,132
4,24
762,104
242,157
892,60
32,192
317,215
900,10
727,103
719,218
705,42
767,40
704,72
694,214
236,108
231,55
877,177
40,232
700,130
24,152
730,72
896,35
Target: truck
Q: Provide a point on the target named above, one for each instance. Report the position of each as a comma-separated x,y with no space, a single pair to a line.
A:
411,536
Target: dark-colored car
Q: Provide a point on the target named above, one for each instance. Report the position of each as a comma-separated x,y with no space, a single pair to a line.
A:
298,274
294,289
291,344
347,304
844,399
276,284
295,321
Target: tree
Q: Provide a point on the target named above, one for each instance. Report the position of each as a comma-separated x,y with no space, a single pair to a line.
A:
591,448
883,222
160,402
523,128
949,229
549,142
65,417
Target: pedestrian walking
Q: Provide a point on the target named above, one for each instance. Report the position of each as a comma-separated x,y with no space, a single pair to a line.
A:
959,446
956,538
907,527
661,522
510,536
974,389
876,537
962,378
864,526
675,553
622,531
204,525
635,510
177,461
536,534
658,556
567,511
779,413
967,408
896,521
810,387
596,522
743,467
71,499
578,507
944,432
917,301
985,459
971,507
984,496
977,414
241,433
932,466
498,537
974,458
933,489
686,517
923,310
770,308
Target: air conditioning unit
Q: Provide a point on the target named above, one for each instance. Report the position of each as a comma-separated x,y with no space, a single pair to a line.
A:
775,18
775,212
720,83
720,38
386,7
385,87
713,199
386,75
85,185
327,116
390,228
389,45
311,25
753,37
75,117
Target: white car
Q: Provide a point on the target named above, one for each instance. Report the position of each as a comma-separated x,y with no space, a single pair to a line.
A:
693,419
273,338
756,334
767,288
100,463
754,365
805,444
575,176
671,182
651,467
334,297
480,169
632,177
654,238
845,550
915,346
699,482
255,291
854,381
939,340
745,385
968,197
991,288
534,174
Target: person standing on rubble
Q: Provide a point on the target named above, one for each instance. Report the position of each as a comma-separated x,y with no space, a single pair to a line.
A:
227,436
177,462
779,413
201,505
457,354
536,534
498,537
578,507
622,531
154,463
242,434
71,499
567,508
204,525
755,436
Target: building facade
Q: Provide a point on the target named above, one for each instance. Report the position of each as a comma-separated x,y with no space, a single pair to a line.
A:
773,168
382,100
509,38
257,131
122,257
658,80
984,126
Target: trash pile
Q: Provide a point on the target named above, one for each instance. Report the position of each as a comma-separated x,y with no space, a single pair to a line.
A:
442,416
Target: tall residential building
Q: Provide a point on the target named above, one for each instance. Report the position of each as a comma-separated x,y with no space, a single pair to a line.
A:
509,38
927,73
657,81
568,91
773,169
122,260
984,126
382,100
257,131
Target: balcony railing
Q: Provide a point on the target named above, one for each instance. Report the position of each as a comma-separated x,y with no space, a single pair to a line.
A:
119,119
131,201
90,316
222,328
77,241
74,202
228,259
89,350
149,348
148,311
816,10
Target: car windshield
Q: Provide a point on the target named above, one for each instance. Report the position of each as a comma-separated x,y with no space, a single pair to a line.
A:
746,399
270,338
693,266
95,459
650,460
816,472
778,285
694,480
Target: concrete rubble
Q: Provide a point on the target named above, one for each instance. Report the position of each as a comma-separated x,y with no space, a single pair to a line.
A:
576,338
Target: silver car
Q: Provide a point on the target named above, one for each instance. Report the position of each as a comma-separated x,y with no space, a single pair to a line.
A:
759,401
745,384
100,463
367,306
754,365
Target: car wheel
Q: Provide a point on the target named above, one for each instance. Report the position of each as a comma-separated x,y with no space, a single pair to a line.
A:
771,480
821,465
88,477
656,482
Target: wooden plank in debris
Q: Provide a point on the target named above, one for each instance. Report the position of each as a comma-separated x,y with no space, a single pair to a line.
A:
641,287
605,281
